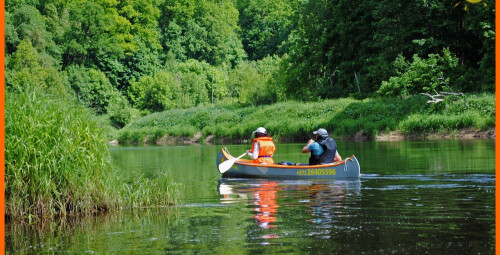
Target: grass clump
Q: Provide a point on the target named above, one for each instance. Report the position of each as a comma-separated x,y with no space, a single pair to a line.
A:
471,111
58,163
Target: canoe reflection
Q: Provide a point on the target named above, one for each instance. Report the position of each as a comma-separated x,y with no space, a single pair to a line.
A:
266,204
324,201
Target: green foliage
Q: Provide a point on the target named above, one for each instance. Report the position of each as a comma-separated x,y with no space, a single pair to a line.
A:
155,93
251,85
335,41
311,49
420,75
245,82
470,111
120,113
214,78
203,30
296,120
25,22
265,26
25,69
56,159
92,88
57,162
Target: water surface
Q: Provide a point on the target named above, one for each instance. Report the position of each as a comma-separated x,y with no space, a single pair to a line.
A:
413,197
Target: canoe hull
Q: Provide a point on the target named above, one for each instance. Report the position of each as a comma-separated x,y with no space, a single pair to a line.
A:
343,170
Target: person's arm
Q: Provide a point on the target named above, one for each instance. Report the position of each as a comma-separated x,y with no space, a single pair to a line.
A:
255,153
306,148
337,157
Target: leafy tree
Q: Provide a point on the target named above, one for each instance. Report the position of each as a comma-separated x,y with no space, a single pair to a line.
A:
214,78
26,22
145,58
248,85
155,93
265,26
193,90
120,113
92,88
98,37
341,47
26,69
204,30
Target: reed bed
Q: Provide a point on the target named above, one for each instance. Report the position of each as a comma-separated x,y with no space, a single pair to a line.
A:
294,121
58,163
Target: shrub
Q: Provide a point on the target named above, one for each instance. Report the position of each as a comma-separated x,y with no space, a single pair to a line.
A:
157,95
26,69
92,87
420,75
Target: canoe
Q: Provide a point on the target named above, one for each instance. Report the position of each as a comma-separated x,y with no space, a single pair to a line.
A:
348,168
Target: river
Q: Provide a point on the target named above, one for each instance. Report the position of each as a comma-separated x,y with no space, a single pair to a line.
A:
413,197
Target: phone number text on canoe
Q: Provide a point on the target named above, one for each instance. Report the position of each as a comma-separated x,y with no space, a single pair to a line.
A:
316,172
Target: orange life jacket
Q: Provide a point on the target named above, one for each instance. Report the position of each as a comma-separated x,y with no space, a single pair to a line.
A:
266,150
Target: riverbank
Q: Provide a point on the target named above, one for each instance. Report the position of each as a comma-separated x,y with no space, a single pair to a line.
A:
465,134
465,117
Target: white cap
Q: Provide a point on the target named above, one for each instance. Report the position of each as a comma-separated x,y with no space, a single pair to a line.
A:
261,130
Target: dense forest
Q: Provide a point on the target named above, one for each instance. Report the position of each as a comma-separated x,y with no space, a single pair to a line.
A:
130,58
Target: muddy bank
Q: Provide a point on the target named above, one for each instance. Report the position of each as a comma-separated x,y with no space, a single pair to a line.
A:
464,134
360,136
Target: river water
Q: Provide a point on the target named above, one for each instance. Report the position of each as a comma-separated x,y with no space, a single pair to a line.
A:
413,197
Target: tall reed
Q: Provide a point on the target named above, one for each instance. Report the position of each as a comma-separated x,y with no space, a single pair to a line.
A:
57,162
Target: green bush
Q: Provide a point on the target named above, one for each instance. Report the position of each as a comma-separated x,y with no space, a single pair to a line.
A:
120,113
420,75
25,68
157,95
92,88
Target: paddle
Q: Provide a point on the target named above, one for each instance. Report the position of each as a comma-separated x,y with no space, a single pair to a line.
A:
224,166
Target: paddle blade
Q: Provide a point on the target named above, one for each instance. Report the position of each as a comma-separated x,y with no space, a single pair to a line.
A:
224,166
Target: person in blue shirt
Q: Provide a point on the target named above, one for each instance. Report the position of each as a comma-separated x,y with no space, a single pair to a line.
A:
323,150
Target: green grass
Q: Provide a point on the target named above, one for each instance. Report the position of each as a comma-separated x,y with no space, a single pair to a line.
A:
58,163
293,121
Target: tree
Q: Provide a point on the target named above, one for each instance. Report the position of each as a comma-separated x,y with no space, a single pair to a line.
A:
203,30
265,26
156,92
92,88
26,69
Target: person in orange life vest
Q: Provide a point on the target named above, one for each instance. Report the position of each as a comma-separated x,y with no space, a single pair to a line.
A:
263,147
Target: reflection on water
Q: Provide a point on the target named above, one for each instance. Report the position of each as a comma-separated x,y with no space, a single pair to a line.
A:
424,197
265,195
324,200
